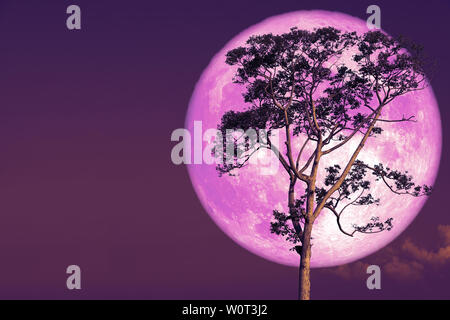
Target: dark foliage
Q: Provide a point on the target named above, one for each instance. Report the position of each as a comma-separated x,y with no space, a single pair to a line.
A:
308,84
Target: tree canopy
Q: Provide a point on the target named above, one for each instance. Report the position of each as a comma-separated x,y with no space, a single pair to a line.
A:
325,87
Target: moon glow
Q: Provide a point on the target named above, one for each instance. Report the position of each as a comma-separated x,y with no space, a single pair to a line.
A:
242,205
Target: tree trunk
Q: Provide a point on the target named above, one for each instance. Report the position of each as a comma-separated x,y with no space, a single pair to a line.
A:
304,270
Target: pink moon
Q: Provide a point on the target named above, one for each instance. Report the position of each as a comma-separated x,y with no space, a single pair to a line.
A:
242,206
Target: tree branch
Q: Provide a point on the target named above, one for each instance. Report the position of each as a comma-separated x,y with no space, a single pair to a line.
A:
300,153
339,222
349,164
349,137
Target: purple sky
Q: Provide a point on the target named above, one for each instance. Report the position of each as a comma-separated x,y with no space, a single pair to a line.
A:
86,176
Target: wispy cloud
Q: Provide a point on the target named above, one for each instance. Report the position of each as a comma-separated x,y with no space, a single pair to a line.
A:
406,261
403,269
350,271
444,231
439,257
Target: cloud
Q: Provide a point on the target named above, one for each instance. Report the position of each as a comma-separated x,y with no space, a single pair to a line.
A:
441,256
403,270
444,232
406,261
350,271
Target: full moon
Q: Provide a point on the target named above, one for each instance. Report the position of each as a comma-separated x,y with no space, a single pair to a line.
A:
242,206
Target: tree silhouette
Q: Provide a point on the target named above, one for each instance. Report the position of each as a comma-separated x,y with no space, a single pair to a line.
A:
305,83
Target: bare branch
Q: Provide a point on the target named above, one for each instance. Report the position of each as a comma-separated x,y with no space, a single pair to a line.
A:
399,120
300,152
339,222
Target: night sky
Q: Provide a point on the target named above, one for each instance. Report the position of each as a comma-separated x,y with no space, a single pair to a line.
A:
85,171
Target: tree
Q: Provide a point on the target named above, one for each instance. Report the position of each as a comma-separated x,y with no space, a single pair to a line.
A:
297,83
